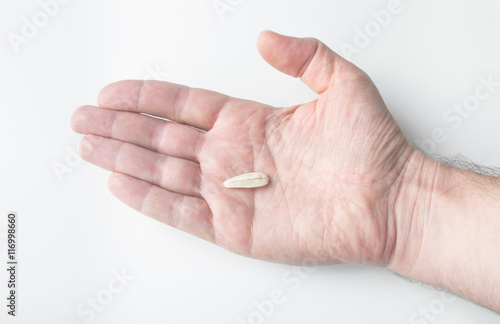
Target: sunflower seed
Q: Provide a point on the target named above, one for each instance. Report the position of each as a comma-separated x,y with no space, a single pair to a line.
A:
247,180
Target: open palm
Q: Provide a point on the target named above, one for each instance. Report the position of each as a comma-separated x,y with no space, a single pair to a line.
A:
334,163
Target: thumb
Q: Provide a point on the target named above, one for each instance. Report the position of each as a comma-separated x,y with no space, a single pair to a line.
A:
305,58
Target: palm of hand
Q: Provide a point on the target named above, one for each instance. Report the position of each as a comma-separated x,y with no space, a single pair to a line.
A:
333,165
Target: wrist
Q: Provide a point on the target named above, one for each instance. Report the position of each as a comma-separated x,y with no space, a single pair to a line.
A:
447,223
410,206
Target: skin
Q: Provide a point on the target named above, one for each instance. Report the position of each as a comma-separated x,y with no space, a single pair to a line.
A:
346,185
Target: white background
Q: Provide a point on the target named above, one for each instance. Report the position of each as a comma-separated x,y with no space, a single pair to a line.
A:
73,233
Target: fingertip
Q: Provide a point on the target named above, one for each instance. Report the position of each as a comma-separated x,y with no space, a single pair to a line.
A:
118,185
127,189
269,33
114,182
81,117
120,94
264,33
103,95
305,58
85,147
285,53
77,119
264,41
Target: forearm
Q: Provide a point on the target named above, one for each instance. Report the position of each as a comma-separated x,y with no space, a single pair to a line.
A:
448,230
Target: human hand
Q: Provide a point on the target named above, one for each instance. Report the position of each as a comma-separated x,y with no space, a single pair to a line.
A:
335,164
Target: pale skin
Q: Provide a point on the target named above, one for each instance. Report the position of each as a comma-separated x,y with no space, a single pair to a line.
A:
346,185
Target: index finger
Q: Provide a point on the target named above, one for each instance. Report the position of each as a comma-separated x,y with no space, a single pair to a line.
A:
195,107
